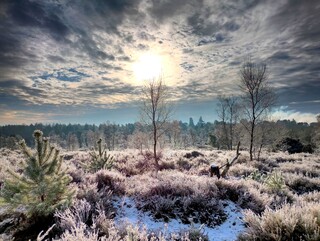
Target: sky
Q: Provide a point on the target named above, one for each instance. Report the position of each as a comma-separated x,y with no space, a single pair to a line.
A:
78,61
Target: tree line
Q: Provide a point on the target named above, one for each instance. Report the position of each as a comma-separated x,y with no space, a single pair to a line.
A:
220,134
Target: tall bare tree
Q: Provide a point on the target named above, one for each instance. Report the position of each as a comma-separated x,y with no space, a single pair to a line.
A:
316,135
258,97
227,110
155,110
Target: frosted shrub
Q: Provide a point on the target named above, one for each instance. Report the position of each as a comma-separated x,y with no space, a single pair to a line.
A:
257,176
306,168
196,234
113,180
171,183
302,184
311,196
247,193
80,212
240,170
80,233
291,222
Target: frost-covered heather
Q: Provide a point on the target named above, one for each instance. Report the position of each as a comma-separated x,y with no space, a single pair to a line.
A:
300,221
9,159
273,194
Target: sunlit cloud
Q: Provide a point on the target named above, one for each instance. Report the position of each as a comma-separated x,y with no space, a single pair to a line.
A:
284,114
91,53
25,117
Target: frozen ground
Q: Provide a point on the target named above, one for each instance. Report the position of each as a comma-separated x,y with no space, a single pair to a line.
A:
227,231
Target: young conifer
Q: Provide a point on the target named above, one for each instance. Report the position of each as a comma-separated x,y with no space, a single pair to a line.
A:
42,187
99,159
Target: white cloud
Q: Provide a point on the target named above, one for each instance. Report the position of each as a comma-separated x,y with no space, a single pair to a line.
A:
283,114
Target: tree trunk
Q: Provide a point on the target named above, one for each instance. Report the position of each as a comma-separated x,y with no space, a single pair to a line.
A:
231,129
259,152
251,140
155,145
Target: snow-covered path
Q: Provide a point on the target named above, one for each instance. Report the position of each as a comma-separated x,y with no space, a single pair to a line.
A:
227,231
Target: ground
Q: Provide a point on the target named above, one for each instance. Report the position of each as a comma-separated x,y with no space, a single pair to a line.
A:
275,198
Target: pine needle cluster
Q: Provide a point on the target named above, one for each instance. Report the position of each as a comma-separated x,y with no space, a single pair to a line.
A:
42,187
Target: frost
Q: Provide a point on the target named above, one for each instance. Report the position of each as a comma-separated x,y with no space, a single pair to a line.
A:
228,231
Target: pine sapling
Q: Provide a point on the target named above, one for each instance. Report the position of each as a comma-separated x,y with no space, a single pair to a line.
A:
42,187
99,159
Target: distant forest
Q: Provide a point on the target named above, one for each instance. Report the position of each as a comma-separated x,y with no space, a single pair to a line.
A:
178,135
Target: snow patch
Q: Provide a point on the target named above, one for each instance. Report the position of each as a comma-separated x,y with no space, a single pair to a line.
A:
227,231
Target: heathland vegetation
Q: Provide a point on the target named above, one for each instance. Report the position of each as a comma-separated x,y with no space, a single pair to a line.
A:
242,177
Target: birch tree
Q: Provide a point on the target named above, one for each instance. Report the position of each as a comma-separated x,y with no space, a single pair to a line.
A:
258,97
156,111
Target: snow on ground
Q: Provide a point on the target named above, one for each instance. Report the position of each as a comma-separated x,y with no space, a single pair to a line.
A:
227,231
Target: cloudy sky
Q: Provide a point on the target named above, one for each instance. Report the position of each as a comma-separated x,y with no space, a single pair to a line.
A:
82,61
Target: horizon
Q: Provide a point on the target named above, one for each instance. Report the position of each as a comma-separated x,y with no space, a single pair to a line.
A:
184,121
86,61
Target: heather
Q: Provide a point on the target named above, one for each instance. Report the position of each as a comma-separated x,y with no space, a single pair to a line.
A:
277,195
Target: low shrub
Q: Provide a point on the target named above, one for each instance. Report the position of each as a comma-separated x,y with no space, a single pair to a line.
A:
184,164
301,184
247,193
111,180
166,165
306,168
295,222
257,176
290,145
189,209
310,196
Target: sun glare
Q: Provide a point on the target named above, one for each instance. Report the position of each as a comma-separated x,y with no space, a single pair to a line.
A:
147,67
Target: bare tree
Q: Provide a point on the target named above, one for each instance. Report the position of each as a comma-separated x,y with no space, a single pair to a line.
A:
174,128
138,139
155,110
316,135
221,130
258,97
228,113
72,142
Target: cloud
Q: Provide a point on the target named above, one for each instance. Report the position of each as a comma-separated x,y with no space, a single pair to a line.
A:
284,114
25,117
81,52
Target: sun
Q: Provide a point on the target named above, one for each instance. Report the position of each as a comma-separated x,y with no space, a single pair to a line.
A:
147,67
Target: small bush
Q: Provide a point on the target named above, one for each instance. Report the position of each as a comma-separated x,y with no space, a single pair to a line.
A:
95,197
294,146
309,148
257,176
301,184
196,234
291,222
247,193
114,181
165,165
184,164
